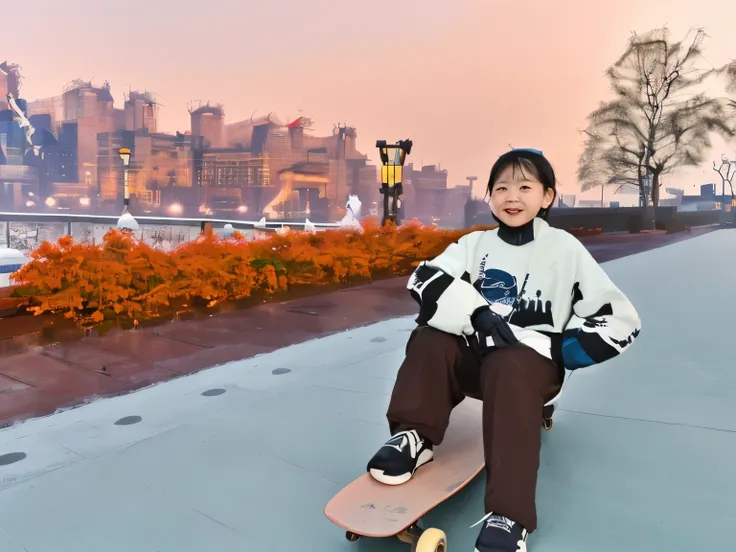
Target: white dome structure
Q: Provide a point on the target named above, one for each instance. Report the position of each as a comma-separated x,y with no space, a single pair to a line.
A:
227,230
127,222
10,261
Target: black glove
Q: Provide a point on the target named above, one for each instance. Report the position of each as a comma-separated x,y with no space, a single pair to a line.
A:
491,324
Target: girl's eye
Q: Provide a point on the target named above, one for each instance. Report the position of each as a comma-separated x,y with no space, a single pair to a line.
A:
500,189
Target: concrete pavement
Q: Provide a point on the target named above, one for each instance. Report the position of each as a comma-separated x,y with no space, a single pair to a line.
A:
244,456
41,380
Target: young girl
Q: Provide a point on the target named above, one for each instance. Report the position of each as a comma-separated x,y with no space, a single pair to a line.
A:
502,313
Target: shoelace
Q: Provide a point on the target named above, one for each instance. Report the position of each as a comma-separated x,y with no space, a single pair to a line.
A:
519,543
485,517
412,439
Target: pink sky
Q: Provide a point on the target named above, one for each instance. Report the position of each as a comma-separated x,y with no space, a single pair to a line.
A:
462,79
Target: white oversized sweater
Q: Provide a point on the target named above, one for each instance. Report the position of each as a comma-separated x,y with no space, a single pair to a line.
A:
556,297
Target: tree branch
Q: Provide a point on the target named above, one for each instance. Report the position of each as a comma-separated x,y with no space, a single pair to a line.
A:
659,118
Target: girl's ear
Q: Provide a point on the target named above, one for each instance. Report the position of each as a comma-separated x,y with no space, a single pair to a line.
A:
549,197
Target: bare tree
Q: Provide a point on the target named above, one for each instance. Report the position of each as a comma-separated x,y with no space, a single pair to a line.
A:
727,175
660,118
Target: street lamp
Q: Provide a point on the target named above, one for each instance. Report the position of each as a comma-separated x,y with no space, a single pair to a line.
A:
126,220
125,156
392,175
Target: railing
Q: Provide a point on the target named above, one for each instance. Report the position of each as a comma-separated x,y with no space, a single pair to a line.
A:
700,218
26,231
113,219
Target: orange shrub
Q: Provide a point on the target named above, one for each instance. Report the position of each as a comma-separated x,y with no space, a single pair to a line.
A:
123,276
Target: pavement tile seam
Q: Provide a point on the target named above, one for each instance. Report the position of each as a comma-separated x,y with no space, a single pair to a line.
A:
19,380
33,478
12,538
157,333
334,388
645,421
75,365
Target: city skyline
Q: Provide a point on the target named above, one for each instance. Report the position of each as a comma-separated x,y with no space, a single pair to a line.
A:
464,80
68,157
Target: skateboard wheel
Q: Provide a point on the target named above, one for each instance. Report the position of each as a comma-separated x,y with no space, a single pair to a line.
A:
432,540
352,537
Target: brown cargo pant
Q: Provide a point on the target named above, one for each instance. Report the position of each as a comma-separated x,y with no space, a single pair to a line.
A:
440,370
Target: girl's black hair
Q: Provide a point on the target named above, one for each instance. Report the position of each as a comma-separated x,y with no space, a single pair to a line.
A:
531,162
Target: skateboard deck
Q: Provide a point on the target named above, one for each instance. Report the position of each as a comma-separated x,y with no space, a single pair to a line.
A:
368,508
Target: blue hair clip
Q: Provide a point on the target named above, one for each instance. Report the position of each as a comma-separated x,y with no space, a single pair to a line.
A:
530,150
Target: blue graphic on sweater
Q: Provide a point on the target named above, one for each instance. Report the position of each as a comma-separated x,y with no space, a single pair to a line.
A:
573,354
498,286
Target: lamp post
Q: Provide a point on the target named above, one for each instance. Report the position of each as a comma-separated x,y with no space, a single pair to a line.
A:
392,176
125,156
126,220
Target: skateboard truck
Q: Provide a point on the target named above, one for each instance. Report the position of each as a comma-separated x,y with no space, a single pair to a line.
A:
411,534
547,413
421,540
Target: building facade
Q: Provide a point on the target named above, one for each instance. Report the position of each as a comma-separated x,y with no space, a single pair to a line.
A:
257,167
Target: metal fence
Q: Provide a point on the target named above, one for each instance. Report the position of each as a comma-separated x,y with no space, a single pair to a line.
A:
26,232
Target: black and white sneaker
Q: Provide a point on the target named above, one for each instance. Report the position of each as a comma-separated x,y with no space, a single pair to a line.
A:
500,534
397,460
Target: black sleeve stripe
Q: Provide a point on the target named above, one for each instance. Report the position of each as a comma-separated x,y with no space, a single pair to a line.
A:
465,277
433,290
577,295
628,341
415,296
605,310
426,312
432,283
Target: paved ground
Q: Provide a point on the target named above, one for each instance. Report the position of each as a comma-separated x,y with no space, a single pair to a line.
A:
244,456
40,381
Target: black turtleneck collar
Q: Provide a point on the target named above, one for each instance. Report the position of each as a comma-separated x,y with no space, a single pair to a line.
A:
516,235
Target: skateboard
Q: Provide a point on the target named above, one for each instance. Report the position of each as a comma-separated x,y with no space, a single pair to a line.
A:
367,508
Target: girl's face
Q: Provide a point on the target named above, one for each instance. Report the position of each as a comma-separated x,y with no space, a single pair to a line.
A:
517,197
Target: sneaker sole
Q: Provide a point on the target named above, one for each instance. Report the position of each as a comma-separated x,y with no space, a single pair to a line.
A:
424,458
381,477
